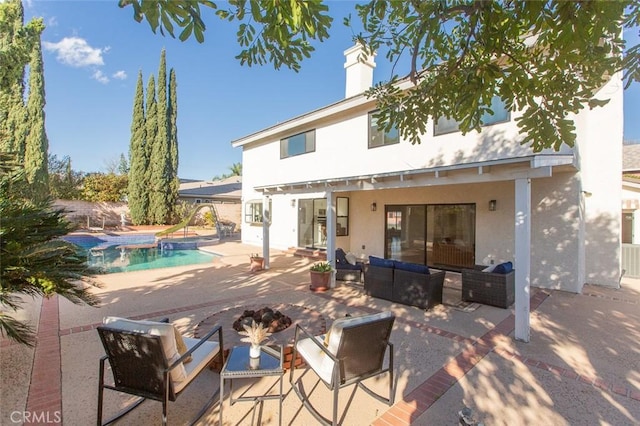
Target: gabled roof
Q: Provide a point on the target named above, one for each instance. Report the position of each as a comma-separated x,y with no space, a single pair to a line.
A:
631,158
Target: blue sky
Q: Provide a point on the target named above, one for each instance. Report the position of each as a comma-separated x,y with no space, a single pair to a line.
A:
93,51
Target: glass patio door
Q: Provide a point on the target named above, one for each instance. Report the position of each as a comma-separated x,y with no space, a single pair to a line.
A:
405,233
312,223
451,235
438,235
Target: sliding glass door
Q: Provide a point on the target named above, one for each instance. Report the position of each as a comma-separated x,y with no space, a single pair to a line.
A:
438,235
312,223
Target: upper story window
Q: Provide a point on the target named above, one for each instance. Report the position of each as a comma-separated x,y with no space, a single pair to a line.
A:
298,144
377,135
500,115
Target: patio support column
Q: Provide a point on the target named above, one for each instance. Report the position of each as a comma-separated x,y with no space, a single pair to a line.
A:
331,235
266,223
522,257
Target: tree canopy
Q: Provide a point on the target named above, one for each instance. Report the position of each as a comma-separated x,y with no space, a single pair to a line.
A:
546,59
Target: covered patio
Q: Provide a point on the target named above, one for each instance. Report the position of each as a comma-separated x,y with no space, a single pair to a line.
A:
580,367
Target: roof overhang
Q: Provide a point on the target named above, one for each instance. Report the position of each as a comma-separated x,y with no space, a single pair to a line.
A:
533,167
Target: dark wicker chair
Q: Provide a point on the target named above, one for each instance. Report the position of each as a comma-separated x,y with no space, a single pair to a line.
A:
487,287
355,351
417,289
140,367
345,271
378,282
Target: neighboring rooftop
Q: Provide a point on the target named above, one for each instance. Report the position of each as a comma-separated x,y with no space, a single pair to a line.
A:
631,158
230,187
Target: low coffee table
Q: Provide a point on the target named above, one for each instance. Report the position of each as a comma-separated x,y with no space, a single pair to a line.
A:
236,366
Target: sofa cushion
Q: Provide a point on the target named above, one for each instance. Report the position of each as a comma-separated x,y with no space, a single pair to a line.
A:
164,330
503,268
378,261
411,267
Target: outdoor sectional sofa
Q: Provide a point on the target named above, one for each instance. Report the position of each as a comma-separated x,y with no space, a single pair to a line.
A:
401,282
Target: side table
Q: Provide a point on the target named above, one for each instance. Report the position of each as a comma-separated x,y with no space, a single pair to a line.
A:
236,366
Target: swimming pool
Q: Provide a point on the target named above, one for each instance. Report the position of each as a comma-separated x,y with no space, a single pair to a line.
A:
117,253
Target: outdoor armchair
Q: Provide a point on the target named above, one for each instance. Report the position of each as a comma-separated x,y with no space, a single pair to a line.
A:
352,351
148,360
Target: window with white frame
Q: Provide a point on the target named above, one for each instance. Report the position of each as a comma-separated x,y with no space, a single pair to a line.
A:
301,143
377,135
253,212
500,115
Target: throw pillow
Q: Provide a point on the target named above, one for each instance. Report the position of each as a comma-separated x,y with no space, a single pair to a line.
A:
351,258
503,268
489,268
182,348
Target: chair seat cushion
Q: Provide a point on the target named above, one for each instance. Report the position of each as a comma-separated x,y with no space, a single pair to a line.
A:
167,336
315,357
200,358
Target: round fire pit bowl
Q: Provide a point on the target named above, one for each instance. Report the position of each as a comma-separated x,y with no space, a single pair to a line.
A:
307,318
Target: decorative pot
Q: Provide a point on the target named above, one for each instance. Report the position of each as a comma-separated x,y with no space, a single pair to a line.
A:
319,281
257,263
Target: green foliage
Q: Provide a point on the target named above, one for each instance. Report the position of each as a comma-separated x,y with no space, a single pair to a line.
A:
64,182
36,143
161,197
234,170
275,32
105,187
172,112
544,58
209,219
321,267
138,197
16,43
35,261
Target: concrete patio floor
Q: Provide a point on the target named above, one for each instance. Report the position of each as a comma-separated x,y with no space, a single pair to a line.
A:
582,365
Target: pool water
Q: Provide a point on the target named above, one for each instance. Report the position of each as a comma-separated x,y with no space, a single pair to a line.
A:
106,253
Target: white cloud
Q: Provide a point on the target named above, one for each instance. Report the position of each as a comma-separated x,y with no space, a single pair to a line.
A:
120,75
100,77
76,52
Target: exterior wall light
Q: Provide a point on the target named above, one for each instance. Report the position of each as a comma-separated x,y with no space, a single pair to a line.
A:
374,206
492,205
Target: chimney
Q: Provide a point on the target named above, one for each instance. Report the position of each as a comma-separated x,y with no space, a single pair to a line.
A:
359,70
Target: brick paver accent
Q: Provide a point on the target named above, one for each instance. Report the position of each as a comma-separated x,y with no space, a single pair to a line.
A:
44,401
45,391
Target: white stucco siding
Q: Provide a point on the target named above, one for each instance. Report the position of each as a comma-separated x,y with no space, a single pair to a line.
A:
342,151
600,134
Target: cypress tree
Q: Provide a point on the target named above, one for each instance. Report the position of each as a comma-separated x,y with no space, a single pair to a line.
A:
151,124
139,161
37,145
16,44
173,136
160,165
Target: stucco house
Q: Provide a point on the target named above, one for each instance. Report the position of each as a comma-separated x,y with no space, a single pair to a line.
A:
330,178
631,194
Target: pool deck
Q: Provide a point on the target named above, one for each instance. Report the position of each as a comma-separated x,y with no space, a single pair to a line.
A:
582,365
